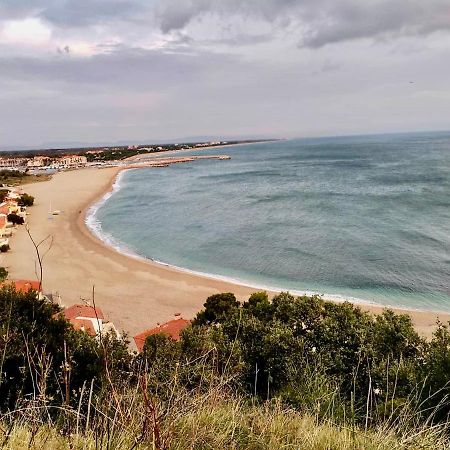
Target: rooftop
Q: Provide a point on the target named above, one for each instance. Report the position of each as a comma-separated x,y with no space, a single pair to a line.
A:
76,311
172,329
23,286
83,325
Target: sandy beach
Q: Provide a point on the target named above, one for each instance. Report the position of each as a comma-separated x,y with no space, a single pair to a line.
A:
135,294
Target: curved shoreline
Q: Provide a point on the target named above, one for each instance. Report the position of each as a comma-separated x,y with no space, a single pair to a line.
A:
134,293
273,290
87,230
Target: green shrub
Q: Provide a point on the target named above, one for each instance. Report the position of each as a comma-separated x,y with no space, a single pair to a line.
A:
15,219
26,200
329,361
3,274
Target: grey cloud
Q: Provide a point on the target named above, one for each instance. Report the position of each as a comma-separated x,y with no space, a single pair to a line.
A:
72,13
318,22
131,69
184,85
88,12
239,40
176,14
351,20
325,21
17,9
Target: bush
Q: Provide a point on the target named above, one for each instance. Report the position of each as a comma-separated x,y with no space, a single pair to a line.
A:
3,194
330,361
43,357
26,200
15,219
4,248
3,273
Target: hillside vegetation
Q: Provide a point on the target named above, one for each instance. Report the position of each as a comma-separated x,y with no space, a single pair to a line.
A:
281,373
17,177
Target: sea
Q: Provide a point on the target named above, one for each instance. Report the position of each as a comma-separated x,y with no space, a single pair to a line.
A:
362,218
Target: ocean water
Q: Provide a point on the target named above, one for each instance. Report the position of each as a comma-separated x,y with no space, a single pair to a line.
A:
364,218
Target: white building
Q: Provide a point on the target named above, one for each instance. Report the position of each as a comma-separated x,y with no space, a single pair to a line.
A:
37,161
72,161
13,162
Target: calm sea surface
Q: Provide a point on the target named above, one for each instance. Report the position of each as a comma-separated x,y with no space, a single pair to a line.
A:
360,217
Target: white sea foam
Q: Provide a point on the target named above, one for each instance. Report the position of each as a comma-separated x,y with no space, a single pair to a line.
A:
95,226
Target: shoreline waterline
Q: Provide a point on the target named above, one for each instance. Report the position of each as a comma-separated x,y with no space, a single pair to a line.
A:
93,227
133,293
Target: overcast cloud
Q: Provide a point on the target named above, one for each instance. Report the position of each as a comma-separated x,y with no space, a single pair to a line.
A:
96,70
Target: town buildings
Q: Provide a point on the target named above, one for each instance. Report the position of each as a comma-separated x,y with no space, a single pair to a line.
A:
42,162
38,161
10,205
13,163
72,161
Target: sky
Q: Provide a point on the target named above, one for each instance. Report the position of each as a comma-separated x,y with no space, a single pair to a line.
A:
98,71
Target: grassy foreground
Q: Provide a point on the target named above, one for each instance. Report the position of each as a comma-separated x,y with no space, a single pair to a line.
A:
280,373
229,424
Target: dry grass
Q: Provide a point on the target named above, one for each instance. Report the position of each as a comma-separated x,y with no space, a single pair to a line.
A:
211,423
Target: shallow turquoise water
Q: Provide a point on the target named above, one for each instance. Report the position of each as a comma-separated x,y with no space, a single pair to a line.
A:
362,217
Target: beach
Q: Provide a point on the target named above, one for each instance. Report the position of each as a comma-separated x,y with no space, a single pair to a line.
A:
133,293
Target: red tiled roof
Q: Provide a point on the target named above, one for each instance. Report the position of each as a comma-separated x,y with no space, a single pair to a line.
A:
84,325
4,209
2,221
23,286
75,311
172,329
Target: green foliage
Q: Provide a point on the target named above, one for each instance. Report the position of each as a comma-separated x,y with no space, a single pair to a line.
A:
329,361
5,173
3,274
4,248
26,200
3,194
217,307
16,177
12,177
15,219
41,354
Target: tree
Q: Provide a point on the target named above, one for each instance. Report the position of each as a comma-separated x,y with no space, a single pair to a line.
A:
26,200
42,356
15,219
217,307
3,273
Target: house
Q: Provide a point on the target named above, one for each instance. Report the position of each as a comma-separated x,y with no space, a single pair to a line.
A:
14,195
12,206
89,319
72,161
172,329
13,163
25,286
6,228
37,161
3,221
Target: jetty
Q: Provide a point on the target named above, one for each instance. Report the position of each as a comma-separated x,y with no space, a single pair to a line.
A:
168,161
